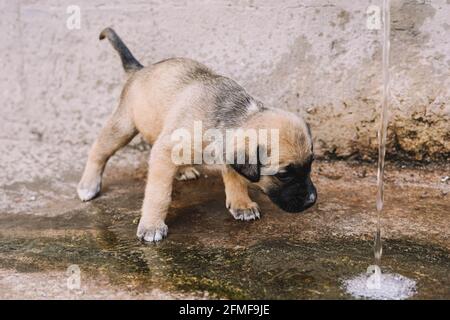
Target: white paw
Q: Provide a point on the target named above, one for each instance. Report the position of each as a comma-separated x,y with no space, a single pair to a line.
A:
246,213
86,193
149,233
188,173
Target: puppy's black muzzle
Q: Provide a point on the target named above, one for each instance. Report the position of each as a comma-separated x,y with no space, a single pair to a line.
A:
294,197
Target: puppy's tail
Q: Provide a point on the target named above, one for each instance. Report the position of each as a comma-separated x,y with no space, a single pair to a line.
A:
129,62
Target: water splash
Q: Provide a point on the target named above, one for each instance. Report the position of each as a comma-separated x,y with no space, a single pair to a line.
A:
392,287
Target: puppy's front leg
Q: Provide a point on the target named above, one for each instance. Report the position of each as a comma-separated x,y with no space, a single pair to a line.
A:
158,194
238,201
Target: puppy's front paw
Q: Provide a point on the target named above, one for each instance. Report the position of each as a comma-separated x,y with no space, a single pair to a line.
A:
152,232
88,190
244,211
188,173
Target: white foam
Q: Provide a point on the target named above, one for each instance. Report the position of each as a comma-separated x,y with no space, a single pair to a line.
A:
391,287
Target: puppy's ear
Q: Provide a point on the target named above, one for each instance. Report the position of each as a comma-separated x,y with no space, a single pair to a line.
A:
249,170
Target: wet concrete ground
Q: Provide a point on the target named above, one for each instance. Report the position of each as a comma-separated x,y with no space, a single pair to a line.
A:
210,255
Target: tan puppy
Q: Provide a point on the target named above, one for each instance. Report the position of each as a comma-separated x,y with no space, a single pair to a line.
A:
175,93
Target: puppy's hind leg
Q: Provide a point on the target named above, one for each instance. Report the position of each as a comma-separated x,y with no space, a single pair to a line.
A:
187,173
118,131
238,201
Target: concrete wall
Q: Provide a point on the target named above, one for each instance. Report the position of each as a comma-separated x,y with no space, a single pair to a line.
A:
314,57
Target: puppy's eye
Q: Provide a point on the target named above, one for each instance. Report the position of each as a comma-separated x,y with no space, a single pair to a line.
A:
283,176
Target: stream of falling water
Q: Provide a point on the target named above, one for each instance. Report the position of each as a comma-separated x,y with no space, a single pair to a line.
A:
382,131
374,284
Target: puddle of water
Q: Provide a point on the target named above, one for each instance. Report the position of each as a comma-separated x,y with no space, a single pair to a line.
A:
101,241
281,256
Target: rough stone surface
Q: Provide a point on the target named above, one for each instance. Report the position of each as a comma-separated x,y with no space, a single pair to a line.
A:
313,57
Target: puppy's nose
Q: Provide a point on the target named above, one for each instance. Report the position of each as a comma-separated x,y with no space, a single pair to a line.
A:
311,199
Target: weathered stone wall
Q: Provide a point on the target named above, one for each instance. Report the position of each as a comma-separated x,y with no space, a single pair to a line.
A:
314,57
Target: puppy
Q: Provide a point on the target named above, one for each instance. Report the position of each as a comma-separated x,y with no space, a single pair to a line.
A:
175,93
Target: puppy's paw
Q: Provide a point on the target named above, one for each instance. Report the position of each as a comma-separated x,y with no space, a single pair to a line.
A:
88,191
188,173
152,233
244,211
